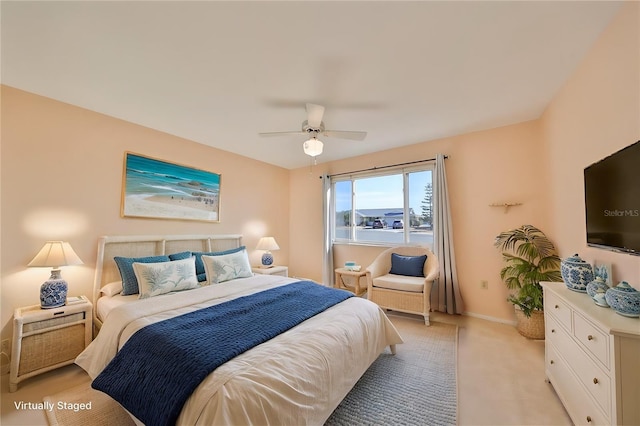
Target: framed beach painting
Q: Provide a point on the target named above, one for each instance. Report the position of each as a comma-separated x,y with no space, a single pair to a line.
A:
159,189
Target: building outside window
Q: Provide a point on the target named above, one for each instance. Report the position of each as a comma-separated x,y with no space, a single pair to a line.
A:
391,207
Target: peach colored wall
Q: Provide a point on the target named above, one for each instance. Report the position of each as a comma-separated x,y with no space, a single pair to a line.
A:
493,166
596,113
61,172
62,176
539,164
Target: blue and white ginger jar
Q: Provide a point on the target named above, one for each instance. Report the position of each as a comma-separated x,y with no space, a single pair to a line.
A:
576,273
624,299
597,286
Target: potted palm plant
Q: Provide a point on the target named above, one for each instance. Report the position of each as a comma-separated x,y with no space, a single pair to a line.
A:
530,257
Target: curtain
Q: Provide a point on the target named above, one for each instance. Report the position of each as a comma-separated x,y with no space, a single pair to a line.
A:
327,249
445,296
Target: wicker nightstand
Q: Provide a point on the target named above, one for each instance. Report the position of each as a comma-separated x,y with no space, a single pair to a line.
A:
274,270
45,339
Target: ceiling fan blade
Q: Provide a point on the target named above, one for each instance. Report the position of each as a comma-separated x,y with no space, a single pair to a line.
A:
295,133
314,115
345,134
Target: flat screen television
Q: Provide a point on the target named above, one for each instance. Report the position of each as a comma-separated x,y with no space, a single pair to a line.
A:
612,201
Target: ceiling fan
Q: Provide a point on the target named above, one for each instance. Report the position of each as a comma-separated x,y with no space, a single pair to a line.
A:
314,126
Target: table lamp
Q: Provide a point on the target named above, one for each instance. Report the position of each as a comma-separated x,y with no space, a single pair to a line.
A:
267,244
55,254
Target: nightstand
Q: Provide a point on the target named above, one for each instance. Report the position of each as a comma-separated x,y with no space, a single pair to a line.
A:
275,270
350,280
45,339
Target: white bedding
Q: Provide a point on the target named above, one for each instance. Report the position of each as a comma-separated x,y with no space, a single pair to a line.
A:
297,378
105,304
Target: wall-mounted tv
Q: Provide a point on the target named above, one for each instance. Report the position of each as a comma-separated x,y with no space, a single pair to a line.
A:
612,201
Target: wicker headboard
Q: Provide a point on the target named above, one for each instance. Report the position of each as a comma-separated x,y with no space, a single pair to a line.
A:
150,245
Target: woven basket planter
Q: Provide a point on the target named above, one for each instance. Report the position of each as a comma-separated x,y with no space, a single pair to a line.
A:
531,327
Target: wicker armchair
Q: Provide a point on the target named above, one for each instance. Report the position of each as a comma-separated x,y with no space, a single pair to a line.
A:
399,292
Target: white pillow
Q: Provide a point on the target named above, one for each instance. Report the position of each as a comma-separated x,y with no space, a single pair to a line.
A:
227,267
112,289
164,277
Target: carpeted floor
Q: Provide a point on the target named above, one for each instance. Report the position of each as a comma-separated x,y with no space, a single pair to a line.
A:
417,386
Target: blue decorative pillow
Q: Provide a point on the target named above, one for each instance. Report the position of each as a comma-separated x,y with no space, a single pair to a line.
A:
410,266
125,265
180,256
200,272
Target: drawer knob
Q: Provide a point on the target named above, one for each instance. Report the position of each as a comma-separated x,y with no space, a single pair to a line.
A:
588,419
595,380
551,362
589,337
557,306
553,330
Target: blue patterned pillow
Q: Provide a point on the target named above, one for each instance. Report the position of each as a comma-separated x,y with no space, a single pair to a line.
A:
410,266
200,272
125,265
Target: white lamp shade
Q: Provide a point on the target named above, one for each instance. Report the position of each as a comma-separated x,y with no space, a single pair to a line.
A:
313,147
267,243
55,254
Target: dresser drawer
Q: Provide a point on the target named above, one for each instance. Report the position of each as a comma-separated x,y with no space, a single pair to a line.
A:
595,380
557,334
559,309
580,406
592,338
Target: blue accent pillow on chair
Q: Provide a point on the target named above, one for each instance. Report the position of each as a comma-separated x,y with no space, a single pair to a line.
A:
129,280
410,266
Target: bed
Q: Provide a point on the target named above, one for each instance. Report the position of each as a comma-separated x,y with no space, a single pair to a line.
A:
296,377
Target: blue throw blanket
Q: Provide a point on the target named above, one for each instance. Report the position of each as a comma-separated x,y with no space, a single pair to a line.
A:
159,367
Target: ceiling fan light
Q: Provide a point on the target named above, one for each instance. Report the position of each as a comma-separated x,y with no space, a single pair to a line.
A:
313,147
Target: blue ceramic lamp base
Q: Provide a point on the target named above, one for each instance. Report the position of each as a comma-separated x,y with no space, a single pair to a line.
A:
53,292
267,260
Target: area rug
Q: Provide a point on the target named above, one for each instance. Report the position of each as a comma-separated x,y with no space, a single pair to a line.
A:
69,411
417,386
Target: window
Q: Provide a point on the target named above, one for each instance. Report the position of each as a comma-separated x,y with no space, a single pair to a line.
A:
394,207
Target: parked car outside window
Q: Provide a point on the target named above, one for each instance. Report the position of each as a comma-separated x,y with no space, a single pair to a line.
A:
378,224
398,224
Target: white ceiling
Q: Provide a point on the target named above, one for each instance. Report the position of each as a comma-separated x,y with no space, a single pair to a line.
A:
221,72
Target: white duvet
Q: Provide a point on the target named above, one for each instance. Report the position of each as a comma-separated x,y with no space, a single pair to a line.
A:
296,378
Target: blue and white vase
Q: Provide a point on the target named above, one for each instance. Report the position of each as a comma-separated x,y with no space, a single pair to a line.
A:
624,299
267,259
576,273
597,286
53,292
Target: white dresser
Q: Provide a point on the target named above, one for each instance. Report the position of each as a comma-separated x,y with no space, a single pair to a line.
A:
592,358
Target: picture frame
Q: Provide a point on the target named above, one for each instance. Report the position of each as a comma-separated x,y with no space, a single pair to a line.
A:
159,189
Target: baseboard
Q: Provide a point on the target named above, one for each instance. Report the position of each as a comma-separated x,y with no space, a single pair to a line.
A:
488,318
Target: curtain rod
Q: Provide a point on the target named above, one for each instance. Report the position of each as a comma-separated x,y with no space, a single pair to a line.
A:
384,167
